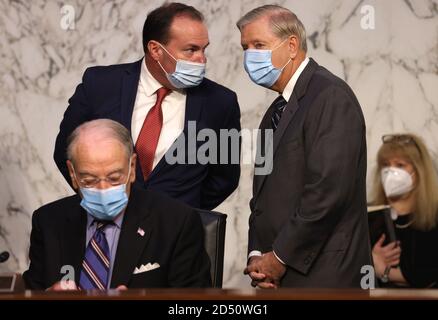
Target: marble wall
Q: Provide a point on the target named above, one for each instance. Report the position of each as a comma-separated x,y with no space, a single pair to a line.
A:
393,69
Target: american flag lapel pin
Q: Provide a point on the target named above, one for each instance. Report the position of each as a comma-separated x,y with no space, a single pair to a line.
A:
140,231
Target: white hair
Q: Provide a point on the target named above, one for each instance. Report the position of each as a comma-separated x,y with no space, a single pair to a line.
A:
112,128
284,23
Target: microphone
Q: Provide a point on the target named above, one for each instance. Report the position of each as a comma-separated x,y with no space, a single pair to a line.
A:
4,256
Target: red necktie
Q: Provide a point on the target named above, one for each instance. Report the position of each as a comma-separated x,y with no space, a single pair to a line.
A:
150,133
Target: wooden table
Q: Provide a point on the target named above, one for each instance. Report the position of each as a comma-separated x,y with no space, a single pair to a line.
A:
231,294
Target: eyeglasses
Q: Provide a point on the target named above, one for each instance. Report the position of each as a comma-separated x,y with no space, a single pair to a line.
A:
402,139
114,180
398,138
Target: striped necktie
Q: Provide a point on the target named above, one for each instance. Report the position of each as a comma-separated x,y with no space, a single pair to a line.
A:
278,105
96,263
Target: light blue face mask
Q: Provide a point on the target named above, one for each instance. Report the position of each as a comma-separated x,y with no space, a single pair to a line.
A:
105,204
258,65
187,74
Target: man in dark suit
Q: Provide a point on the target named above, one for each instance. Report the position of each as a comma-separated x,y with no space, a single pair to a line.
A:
112,234
158,99
308,223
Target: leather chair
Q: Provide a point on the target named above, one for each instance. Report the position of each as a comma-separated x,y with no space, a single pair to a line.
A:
214,230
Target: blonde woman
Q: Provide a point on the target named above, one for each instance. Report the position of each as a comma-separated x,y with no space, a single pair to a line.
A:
406,180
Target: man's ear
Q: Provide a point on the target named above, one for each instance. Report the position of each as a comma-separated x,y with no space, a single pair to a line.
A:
133,168
294,46
155,50
72,175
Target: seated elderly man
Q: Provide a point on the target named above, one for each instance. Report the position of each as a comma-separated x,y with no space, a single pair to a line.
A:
112,234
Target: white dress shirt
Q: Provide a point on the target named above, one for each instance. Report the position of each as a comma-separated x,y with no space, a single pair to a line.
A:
173,106
287,92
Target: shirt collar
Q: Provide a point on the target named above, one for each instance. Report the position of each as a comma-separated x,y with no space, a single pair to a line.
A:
287,92
117,222
149,83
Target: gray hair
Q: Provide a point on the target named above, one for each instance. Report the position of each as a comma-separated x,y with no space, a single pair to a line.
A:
113,129
284,23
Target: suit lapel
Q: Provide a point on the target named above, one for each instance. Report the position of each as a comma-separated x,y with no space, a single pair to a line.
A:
286,118
264,124
194,104
129,92
131,243
73,237
288,114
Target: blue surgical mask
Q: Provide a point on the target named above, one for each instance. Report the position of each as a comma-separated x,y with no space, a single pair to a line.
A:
258,65
105,204
187,74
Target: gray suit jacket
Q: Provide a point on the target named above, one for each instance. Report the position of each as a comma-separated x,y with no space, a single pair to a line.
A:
311,209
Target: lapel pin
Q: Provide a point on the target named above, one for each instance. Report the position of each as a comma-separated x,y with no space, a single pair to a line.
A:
140,231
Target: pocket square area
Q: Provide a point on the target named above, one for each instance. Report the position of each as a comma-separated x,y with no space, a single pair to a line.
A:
146,268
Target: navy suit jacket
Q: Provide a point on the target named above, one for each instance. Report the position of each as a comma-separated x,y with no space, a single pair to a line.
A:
110,91
58,239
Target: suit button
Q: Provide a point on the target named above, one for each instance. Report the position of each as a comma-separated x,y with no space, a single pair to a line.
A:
307,261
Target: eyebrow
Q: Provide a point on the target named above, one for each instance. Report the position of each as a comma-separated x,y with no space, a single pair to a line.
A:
256,40
196,46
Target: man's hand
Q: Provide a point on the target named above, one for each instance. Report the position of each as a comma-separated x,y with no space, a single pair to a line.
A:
388,255
252,271
68,285
265,271
122,288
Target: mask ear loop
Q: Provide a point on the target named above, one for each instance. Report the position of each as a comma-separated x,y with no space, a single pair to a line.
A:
167,51
281,43
161,66
290,59
414,185
129,171
74,174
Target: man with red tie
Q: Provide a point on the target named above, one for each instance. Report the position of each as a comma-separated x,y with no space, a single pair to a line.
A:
157,99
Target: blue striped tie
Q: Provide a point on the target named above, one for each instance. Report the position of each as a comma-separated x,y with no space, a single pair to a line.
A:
96,264
278,105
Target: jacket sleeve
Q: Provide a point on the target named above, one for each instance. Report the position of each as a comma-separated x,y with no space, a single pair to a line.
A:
334,143
223,179
34,276
78,111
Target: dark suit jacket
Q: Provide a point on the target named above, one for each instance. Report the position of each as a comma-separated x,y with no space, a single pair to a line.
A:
311,210
173,238
110,92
